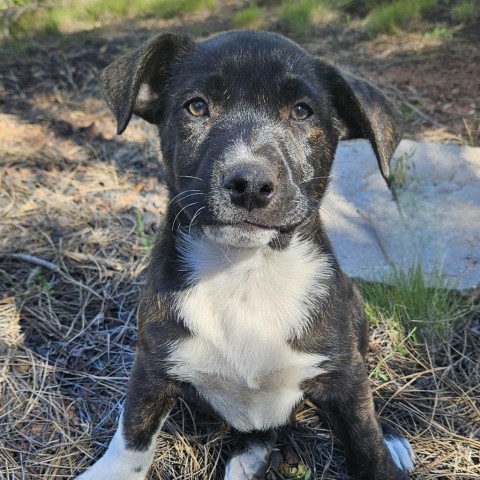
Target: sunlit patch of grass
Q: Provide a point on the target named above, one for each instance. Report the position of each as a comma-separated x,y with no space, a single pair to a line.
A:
389,17
296,15
472,130
146,237
466,12
409,300
439,32
171,8
37,279
250,17
299,16
399,348
55,18
401,171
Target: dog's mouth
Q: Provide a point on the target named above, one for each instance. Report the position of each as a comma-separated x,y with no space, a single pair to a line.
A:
241,235
245,234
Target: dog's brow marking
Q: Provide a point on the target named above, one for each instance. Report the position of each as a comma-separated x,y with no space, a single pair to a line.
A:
242,312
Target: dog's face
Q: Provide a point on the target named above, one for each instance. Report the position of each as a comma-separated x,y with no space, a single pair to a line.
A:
246,123
249,123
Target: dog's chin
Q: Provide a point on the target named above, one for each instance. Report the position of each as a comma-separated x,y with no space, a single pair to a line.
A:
242,235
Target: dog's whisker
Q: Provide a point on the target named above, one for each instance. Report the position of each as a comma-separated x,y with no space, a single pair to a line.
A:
190,176
180,211
329,214
182,193
226,251
333,174
313,210
186,196
193,218
314,178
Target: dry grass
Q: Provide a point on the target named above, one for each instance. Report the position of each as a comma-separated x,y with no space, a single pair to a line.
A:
73,196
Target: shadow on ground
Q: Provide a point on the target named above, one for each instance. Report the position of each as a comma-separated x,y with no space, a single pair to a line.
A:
74,194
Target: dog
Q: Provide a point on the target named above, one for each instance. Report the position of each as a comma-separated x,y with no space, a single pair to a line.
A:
246,311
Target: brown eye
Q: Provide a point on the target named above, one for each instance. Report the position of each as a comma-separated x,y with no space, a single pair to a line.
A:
301,111
197,107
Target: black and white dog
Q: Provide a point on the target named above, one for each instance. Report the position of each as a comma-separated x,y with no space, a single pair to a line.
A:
246,310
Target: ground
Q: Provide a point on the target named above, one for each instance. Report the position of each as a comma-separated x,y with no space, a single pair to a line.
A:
74,194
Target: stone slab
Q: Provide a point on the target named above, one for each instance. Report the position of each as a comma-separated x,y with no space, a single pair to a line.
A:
435,218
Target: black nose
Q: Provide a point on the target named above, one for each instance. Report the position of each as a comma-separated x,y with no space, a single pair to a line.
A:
250,187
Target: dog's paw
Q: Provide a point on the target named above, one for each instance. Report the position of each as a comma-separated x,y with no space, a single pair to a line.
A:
108,471
401,452
120,462
248,465
104,471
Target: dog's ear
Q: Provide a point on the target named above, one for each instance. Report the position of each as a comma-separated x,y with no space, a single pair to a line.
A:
134,82
365,112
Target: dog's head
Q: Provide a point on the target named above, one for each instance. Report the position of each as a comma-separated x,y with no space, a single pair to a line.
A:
249,123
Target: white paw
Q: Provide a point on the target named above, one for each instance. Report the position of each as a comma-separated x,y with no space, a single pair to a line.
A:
247,464
120,463
401,452
103,471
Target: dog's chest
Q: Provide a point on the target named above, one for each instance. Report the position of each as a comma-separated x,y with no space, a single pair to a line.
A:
241,311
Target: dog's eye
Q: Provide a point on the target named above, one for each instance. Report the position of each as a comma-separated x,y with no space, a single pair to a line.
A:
301,111
197,107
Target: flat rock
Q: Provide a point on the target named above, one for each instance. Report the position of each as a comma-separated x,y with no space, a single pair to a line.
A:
433,218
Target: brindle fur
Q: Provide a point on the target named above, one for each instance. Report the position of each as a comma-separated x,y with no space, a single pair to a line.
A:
251,81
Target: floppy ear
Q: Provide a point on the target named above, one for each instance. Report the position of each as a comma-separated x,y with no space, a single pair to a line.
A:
365,112
134,82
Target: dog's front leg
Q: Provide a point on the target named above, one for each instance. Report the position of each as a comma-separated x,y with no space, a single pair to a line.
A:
347,400
130,453
251,456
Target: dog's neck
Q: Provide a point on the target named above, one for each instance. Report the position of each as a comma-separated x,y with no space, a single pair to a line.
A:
278,287
202,257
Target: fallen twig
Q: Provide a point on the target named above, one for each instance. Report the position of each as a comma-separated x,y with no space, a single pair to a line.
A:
32,259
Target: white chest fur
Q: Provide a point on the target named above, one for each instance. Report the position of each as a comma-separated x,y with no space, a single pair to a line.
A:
242,309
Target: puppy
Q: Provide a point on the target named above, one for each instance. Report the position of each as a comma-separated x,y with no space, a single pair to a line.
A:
245,309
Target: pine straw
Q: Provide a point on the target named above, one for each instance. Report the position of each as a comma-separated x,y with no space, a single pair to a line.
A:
68,334
87,204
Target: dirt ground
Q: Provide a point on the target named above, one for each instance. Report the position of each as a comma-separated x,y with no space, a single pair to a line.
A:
88,202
